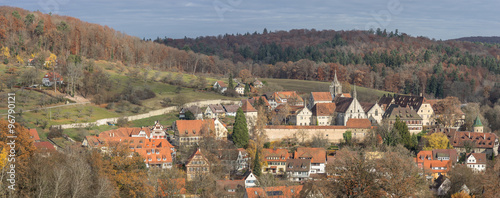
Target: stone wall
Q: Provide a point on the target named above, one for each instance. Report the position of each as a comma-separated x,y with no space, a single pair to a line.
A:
334,134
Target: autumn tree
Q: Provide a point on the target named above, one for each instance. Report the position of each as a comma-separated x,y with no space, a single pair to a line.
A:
240,130
245,75
437,141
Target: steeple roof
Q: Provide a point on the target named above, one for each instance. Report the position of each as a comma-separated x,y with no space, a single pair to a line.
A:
477,122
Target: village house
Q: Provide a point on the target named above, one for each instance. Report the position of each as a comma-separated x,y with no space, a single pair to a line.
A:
432,169
301,117
298,169
240,88
323,114
250,113
319,97
348,108
419,104
231,110
197,165
276,161
34,135
215,111
255,101
444,155
51,77
195,110
155,152
220,86
275,191
190,132
287,97
374,112
316,155
229,187
154,132
476,161
257,83
404,114
477,142
235,159
444,115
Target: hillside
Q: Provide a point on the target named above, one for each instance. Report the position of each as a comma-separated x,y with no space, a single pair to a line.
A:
389,61
482,39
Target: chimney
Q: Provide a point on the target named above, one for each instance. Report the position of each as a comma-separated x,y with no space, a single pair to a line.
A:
469,135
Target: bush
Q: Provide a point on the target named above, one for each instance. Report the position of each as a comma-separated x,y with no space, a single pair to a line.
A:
122,122
55,132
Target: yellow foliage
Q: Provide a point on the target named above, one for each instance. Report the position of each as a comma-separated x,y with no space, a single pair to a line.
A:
19,59
3,158
436,141
33,55
6,52
462,194
51,61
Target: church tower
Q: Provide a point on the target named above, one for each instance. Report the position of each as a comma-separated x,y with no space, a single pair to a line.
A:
335,87
478,126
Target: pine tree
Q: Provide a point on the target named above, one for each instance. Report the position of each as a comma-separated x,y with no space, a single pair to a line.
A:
247,89
257,170
404,133
230,80
240,130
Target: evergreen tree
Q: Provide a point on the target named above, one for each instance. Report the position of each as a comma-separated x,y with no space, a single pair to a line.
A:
240,130
247,90
257,170
230,80
406,138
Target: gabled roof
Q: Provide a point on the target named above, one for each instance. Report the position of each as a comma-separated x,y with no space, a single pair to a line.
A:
229,185
247,107
409,101
231,108
367,106
323,109
125,132
451,153
343,104
193,127
256,99
317,155
276,191
404,113
216,108
280,153
480,158
300,165
287,95
193,109
196,153
321,96
385,101
358,123
429,164
222,84
44,146
423,156
34,135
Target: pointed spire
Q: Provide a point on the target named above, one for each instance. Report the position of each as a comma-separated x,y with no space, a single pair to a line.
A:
335,77
354,94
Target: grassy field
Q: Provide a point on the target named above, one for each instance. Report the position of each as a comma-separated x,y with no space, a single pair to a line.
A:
165,120
305,87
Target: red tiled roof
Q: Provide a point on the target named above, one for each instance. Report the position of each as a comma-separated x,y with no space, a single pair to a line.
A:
480,158
358,123
347,95
282,154
193,127
312,127
287,95
34,135
230,185
322,96
52,75
125,132
429,164
324,109
458,138
276,191
221,83
44,146
247,107
317,155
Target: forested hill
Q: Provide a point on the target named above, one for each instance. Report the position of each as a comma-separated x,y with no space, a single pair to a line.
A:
379,59
485,39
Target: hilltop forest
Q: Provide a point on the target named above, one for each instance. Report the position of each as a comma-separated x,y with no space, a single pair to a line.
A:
390,61
379,59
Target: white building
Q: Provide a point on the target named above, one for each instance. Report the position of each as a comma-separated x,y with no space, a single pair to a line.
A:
348,108
476,161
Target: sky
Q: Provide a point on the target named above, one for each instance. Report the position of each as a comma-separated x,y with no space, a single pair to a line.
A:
438,19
